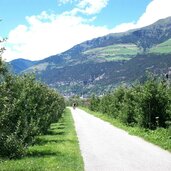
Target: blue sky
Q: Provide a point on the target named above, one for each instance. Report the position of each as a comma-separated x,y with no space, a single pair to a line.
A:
39,28
13,12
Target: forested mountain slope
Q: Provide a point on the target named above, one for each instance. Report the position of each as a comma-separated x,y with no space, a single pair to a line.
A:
102,63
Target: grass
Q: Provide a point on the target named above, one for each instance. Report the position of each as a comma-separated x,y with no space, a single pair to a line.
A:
114,52
160,136
56,151
164,47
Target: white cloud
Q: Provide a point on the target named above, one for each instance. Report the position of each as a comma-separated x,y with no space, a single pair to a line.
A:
123,27
157,9
63,2
88,7
41,39
92,6
48,34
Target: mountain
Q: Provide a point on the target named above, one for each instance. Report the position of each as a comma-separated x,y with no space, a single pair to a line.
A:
19,65
100,64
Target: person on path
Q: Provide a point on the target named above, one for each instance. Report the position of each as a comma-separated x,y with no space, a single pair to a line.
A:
74,105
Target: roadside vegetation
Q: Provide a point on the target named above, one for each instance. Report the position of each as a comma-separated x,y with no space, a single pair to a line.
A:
142,109
28,108
159,136
36,132
57,150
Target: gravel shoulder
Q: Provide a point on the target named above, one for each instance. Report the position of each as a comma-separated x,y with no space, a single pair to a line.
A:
107,148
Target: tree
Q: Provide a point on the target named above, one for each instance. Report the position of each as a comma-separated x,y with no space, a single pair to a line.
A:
154,103
27,108
94,103
3,69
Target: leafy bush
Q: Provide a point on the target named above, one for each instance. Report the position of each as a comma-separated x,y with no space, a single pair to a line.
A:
94,103
154,103
146,104
27,109
127,112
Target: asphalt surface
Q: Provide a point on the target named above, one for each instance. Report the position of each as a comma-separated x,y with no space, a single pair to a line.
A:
107,148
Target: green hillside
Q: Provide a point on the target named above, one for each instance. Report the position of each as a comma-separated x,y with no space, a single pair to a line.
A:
164,47
114,52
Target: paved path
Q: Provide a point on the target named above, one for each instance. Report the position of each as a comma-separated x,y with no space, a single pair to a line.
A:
107,148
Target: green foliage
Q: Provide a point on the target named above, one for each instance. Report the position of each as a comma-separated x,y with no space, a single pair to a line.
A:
1,66
146,105
94,103
58,150
105,102
160,136
154,103
27,109
128,107
74,99
117,100
3,69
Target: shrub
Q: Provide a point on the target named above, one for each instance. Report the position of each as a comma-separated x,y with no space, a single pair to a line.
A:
94,103
146,104
154,102
27,109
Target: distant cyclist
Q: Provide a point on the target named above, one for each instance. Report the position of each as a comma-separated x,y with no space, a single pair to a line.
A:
74,105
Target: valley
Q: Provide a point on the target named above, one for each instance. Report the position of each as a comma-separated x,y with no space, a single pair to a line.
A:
99,65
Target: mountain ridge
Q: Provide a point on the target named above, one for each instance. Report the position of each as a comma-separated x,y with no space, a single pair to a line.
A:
18,65
102,57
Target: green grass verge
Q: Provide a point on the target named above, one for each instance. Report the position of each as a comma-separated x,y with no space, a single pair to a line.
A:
160,136
56,151
163,48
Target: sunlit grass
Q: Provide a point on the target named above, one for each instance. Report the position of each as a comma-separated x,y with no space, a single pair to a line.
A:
164,47
114,52
58,150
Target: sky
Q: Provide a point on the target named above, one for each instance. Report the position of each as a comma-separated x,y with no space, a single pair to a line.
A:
37,29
